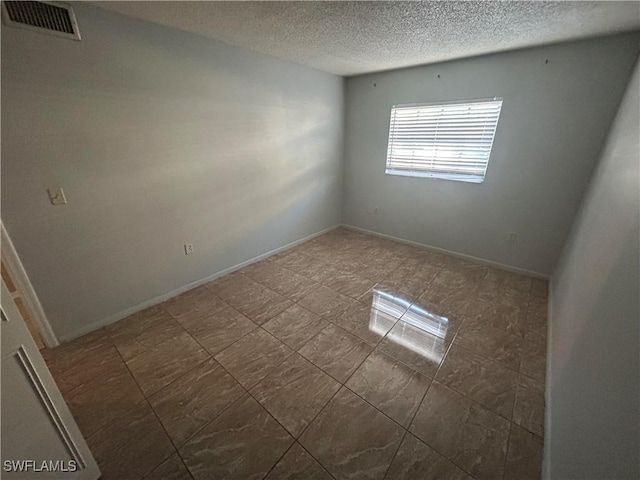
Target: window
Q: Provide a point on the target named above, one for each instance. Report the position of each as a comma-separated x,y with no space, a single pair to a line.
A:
443,140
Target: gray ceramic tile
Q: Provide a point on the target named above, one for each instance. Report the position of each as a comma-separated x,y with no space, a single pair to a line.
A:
295,326
419,268
230,285
232,435
445,300
131,446
193,400
390,386
463,431
259,303
167,361
369,324
500,293
528,411
336,351
292,260
476,335
534,358
281,280
76,351
319,270
379,269
255,268
536,328
217,332
243,443
348,283
387,300
316,249
415,460
513,281
294,392
139,332
326,302
412,277
460,275
401,287
524,457
430,257
349,261
507,316
537,307
539,288
194,303
106,364
442,326
415,347
83,360
352,439
483,380
96,403
297,464
171,469
251,358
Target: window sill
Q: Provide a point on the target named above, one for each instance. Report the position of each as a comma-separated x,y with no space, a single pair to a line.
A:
440,176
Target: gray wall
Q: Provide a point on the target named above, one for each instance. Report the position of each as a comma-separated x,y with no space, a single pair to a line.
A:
593,381
159,138
554,120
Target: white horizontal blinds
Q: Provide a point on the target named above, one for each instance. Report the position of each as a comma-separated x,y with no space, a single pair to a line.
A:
445,140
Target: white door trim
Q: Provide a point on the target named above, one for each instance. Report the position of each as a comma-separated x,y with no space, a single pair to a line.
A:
23,284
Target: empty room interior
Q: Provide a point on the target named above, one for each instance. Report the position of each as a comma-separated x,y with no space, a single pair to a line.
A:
320,240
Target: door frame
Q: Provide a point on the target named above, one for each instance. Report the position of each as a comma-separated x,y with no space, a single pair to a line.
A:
24,286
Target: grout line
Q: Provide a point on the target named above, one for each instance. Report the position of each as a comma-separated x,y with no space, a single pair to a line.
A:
248,390
506,453
155,414
280,458
146,399
422,401
147,476
318,414
404,435
314,458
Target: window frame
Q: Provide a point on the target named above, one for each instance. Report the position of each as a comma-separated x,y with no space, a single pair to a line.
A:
461,177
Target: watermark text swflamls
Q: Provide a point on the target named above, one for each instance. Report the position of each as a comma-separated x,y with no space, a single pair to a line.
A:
58,466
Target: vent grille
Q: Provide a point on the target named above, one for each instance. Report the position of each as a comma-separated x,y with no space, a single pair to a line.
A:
42,16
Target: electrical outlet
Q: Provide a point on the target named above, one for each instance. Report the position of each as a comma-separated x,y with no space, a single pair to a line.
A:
56,196
188,249
512,237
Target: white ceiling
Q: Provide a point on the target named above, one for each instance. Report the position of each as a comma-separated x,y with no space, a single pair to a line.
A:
349,38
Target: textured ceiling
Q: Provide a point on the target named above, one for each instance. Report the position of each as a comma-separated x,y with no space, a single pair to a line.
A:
349,38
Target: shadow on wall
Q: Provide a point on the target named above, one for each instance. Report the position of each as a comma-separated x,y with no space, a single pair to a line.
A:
592,291
203,173
608,254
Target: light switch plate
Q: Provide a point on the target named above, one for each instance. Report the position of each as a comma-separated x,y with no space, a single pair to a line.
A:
56,196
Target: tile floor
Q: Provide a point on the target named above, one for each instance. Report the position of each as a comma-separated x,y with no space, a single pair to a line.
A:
348,356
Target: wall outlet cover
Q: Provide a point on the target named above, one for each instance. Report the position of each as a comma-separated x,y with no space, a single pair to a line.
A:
57,196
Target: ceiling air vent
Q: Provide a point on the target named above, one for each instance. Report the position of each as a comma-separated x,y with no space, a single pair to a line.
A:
45,17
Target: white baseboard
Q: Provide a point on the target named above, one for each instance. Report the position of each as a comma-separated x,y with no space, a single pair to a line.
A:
450,252
166,296
161,298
